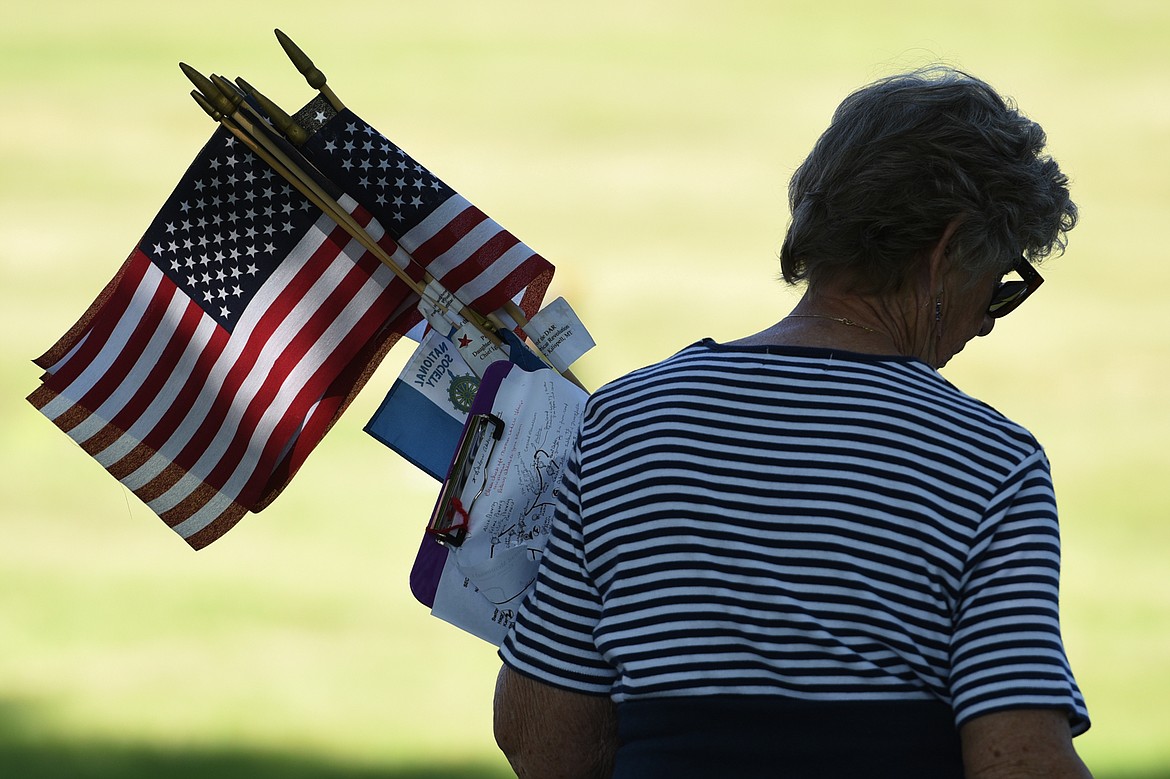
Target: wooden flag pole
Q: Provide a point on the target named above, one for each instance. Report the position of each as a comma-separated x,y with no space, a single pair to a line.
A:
222,102
284,124
244,131
227,113
316,79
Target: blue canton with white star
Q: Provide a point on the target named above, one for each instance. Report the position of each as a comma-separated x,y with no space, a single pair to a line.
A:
226,227
396,189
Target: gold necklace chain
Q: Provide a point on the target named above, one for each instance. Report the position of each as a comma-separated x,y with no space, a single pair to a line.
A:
842,320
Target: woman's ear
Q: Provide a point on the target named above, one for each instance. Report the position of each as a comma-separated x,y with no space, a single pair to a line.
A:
939,254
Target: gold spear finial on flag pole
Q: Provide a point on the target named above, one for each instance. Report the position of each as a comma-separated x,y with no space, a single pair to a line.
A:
211,94
313,76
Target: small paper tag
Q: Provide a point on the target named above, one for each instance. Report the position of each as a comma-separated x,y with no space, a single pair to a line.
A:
559,334
440,308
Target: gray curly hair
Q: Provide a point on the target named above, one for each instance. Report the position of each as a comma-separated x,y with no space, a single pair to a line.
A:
901,159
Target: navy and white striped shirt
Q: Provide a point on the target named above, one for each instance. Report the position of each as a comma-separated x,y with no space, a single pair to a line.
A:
792,522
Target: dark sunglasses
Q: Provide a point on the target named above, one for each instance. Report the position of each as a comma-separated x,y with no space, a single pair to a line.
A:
1010,294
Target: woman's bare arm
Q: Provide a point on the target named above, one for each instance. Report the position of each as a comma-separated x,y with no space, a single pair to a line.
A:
1021,744
550,733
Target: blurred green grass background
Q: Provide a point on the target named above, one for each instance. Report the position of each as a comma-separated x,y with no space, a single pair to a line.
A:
643,147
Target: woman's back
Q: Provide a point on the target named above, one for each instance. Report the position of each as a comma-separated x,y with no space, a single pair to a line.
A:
806,534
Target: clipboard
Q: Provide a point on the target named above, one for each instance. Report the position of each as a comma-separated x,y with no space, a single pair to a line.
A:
479,554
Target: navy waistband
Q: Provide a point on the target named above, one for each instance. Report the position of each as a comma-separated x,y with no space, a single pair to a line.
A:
778,738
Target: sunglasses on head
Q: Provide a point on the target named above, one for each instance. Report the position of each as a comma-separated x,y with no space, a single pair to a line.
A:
1010,294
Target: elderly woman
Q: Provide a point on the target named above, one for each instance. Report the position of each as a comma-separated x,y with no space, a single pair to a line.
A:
804,553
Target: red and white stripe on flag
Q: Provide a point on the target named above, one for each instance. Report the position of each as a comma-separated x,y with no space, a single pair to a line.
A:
471,255
468,252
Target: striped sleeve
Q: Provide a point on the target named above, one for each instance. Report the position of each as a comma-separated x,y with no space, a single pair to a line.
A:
1006,650
553,638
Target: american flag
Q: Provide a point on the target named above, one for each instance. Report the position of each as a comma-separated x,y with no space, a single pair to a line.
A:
228,343
467,251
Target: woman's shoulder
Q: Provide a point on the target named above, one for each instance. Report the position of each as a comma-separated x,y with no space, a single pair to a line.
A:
864,384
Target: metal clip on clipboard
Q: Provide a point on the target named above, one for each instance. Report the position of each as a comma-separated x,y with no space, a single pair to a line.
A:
449,521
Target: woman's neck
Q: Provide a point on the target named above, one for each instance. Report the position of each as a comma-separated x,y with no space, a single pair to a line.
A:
855,323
